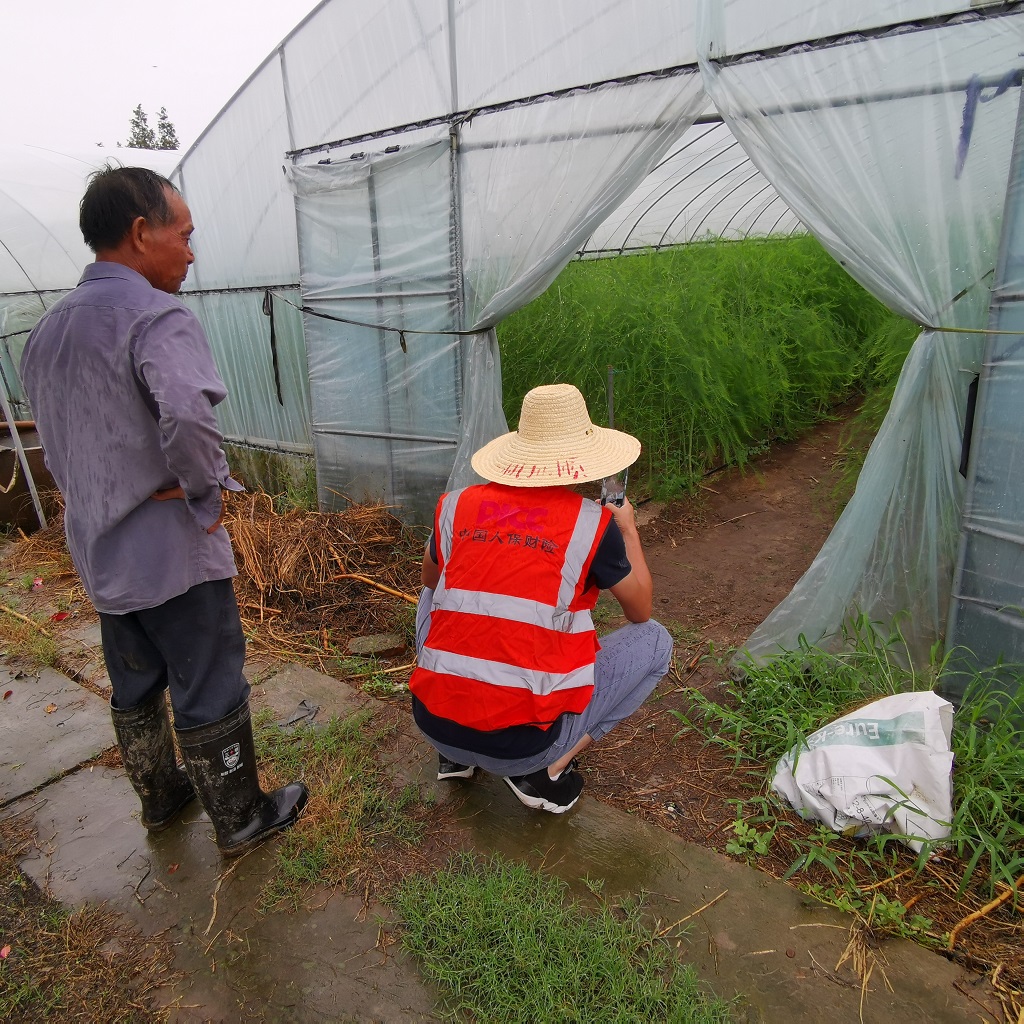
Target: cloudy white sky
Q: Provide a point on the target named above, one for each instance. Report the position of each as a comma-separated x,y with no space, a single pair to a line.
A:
72,71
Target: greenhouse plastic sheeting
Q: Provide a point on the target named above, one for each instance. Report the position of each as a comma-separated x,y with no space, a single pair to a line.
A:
891,142
705,187
444,161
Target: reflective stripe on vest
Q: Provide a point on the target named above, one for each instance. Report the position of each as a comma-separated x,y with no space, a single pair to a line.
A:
500,674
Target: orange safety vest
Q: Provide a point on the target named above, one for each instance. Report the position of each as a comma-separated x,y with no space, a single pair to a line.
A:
511,640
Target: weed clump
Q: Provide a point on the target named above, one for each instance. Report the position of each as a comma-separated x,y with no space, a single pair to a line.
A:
963,894
26,642
353,806
775,707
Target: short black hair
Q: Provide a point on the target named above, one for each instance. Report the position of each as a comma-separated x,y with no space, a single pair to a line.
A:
113,199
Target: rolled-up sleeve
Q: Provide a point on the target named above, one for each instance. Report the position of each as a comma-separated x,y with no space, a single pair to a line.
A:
175,368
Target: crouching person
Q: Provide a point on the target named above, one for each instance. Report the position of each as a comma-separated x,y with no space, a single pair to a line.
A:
123,387
510,676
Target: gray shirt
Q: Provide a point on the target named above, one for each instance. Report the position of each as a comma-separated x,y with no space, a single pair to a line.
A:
122,385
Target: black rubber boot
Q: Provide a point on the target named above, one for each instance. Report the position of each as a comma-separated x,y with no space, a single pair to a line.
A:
220,759
144,736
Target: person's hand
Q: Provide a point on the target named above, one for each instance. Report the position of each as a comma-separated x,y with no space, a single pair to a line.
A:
624,516
220,519
169,493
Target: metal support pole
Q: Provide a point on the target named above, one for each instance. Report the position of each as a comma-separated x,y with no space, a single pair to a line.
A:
22,458
382,336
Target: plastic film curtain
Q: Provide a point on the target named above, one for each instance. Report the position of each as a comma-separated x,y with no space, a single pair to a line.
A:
18,315
891,142
417,238
375,253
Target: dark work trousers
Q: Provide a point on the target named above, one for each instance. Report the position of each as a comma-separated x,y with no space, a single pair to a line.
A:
192,644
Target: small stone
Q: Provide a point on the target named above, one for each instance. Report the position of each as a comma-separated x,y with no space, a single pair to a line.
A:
379,645
791,953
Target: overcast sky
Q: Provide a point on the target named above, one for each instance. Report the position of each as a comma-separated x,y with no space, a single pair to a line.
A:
71,71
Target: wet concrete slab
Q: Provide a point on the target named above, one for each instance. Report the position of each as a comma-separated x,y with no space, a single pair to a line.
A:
291,689
337,962
48,725
86,637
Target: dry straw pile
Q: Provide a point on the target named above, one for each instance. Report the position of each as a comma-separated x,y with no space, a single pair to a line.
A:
307,581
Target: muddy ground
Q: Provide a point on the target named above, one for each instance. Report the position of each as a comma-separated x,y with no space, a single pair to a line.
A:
721,561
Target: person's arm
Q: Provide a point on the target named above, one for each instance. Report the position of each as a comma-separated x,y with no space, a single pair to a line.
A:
635,592
173,361
430,573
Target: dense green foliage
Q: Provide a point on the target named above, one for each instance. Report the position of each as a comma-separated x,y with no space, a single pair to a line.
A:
505,943
718,348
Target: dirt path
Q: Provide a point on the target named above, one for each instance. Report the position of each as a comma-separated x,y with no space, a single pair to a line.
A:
721,562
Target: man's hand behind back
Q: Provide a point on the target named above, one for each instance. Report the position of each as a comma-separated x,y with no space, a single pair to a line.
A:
170,493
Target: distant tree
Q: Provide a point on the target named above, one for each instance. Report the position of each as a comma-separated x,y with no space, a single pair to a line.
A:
167,137
142,136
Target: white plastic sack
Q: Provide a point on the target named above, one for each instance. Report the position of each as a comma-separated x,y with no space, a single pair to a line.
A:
886,767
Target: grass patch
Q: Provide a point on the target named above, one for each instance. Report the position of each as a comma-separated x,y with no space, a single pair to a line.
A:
776,706
354,812
506,943
718,348
62,965
27,642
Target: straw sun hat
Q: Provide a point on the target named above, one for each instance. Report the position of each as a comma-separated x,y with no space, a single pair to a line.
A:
555,444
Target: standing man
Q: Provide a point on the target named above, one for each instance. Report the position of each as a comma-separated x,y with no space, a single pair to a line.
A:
511,677
122,384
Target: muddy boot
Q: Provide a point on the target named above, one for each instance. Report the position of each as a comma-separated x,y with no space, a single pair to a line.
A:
144,736
220,759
